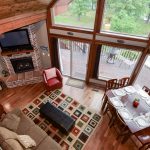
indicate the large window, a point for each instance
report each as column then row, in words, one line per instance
column 143, row 78
column 73, row 57
column 77, row 13
column 117, row 62
column 127, row 17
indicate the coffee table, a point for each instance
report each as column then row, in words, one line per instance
column 60, row 119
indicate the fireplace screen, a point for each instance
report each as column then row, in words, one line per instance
column 23, row 64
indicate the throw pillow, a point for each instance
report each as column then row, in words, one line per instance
column 50, row 73
column 13, row 144
column 10, row 121
column 26, row 141
column 7, row 134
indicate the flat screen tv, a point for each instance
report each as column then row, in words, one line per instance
column 15, row 40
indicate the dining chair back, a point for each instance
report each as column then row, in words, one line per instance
column 123, row 82
column 143, row 136
column 146, row 89
column 145, row 141
column 110, row 84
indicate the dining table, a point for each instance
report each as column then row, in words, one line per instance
column 136, row 117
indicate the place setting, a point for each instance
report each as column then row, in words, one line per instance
column 115, row 101
column 130, row 89
column 145, row 97
column 143, row 120
column 147, row 101
column 143, row 94
column 125, row 114
column 119, row 92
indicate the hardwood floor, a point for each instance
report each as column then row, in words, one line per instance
column 103, row 138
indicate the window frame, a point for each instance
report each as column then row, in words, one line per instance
column 94, row 42
column 97, row 65
column 53, row 24
column 116, row 34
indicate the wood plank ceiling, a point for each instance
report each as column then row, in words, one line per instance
column 10, row 8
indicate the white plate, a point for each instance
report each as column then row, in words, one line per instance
column 120, row 92
column 116, row 102
column 142, row 121
column 143, row 94
column 148, row 102
column 125, row 114
column 130, row 89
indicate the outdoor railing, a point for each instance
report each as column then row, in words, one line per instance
column 73, row 45
column 128, row 54
column 122, row 53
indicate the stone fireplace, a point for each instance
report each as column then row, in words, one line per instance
column 24, row 68
column 22, row 64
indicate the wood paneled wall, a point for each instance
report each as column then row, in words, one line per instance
column 9, row 8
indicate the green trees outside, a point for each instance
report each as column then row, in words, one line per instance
column 79, row 8
column 125, row 16
column 128, row 16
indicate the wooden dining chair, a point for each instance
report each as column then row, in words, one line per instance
column 145, row 141
column 143, row 136
column 146, row 89
column 110, row 84
column 123, row 82
column 124, row 133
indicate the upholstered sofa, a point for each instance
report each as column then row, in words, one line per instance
column 26, row 127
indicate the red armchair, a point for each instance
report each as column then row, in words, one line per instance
column 52, row 79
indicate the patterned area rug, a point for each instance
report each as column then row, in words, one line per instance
column 86, row 120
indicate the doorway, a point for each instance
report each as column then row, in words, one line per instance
column 73, row 58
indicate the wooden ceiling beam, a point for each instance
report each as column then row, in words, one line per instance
column 11, row 8
column 19, row 21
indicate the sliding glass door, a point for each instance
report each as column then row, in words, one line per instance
column 73, row 57
column 117, row 62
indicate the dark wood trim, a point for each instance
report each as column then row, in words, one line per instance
column 99, row 15
column 54, row 52
column 71, row 38
column 52, row 3
column 16, row 52
column 21, row 21
column 49, row 19
column 91, row 62
column 124, row 37
column 67, row 28
column 49, row 37
column 92, row 53
column 97, row 61
column 49, row 14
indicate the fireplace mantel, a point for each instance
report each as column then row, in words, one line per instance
column 19, row 21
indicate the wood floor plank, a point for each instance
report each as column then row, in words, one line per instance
column 103, row 138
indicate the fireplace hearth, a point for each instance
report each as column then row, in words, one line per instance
column 23, row 64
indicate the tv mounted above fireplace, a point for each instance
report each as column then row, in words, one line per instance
column 15, row 40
